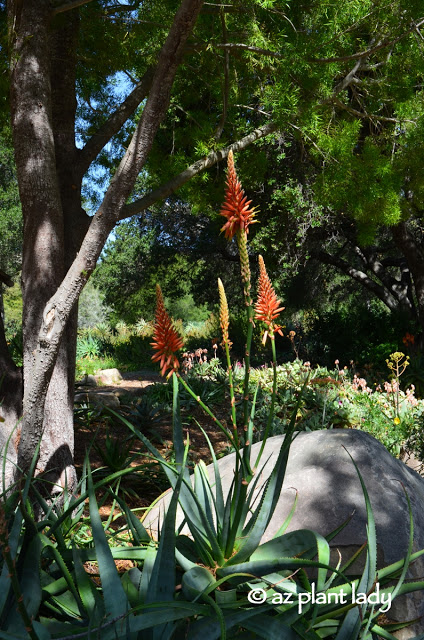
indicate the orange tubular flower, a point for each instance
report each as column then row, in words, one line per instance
column 236, row 206
column 268, row 305
column 166, row 339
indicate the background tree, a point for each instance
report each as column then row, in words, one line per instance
column 168, row 244
column 352, row 196
column 92, row 309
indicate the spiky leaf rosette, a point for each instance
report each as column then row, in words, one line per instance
column 267, row 307
column 166, row 341
column 236, row 207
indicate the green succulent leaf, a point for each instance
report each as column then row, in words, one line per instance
column 116, row 602
column 195, row 581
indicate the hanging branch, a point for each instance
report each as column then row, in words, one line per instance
column 67, row 6
column 197, row 167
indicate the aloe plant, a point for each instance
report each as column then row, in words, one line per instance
column 44, row 581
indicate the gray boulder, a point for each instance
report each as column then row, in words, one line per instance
column 329, row 491
column 86, row 381
column 99, row 398
column 90, row 381
column 108, row 377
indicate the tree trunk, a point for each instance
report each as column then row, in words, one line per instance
column 61, row 244
column 45, row 251
column 57, row 450
column 414, row 256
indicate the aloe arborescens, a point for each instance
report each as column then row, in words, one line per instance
column 166, row 340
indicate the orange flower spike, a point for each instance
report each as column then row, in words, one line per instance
column 267, row 307
column 236, row 207
column 166, row 339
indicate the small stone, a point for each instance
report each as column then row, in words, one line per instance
column 108, row 377
column 90, row 381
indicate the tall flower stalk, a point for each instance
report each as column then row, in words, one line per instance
column 236, row 208
column 240, row 215
column 166, row 342
column 224, row 319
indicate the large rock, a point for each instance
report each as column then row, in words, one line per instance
column 87, row 381
column 329, row 491
column 108, row 377
column 99, row 398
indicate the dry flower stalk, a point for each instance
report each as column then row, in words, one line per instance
column 224, row 316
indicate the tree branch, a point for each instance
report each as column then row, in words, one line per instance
column 397, row 288
column 226, row 87
column 115, row 121
column 67, row 6
column 208, row 161
column 360, row 277
column 415, row 258
column 371, row 50
column 121, row 7
column 247, row 47
column 347, row 80
column 366, row 116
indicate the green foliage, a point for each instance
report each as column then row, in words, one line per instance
column 12, row 300
column 365, row 185
column 89, row 366
column 10, row 210
column 128, row 347
column 101, row 347
column 143, row 252
column 88, row 347
column 186, row 309
column 344, row 322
